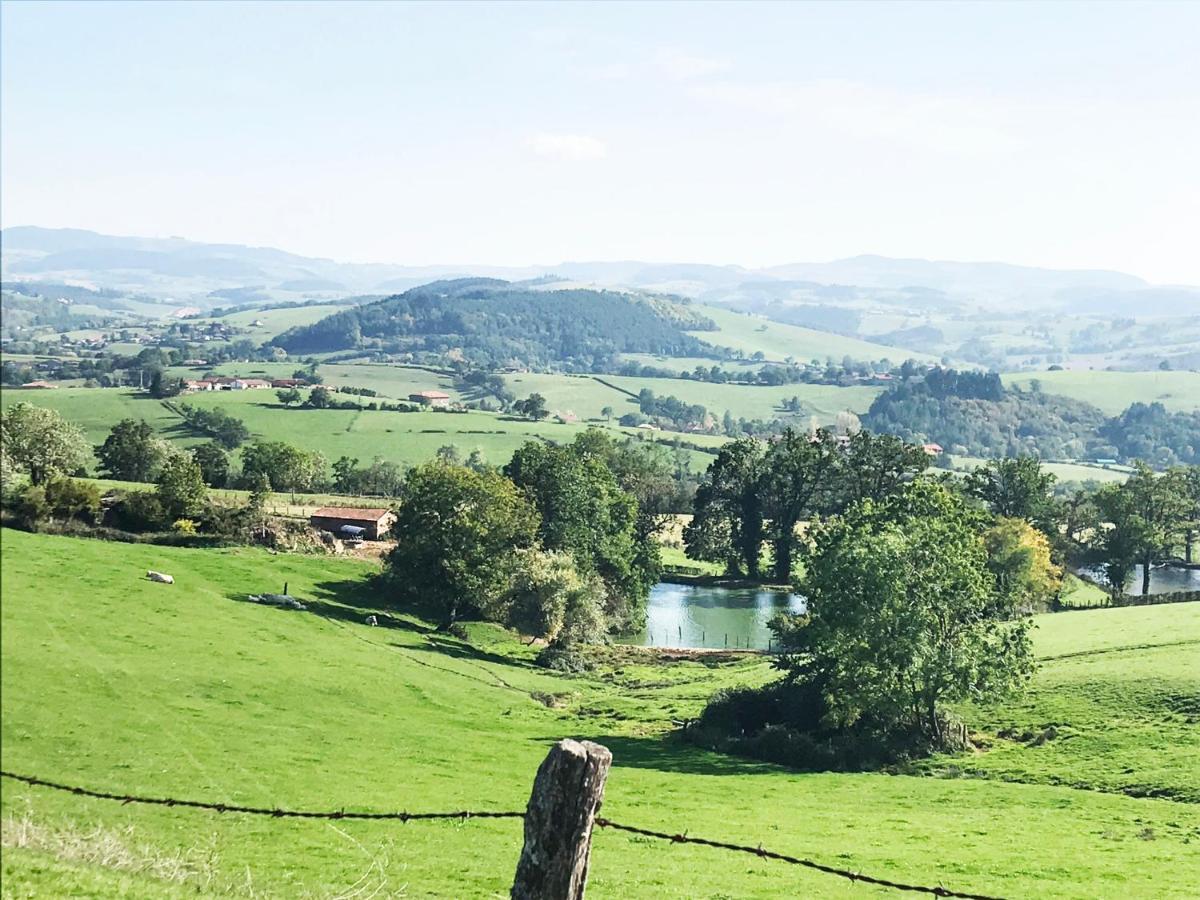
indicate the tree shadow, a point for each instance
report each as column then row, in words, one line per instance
column 464, row 651
column 672, row 753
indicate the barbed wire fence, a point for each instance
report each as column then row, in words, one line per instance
column 566, row 795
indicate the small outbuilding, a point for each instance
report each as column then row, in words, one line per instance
column 353, row 522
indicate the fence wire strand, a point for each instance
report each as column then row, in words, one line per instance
column 462, row 815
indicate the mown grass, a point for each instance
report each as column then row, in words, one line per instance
column 114, row 682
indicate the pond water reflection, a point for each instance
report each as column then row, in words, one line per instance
column 691, row 616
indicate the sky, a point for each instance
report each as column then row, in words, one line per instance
column 1064, row 135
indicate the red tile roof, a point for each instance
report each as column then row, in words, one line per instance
column 351, row 512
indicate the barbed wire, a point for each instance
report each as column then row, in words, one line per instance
column 274, row 812
column 462, row 815
column 759, row 851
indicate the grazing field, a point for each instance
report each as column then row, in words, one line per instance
column 1062, row 471
column 1113, row 392
column 396, row 437
column 117, row 683
column 587, row 395
column 272, row 322
column 393, row 382
column 749, row 334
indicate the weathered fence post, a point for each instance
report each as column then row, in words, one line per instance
column 558, row 822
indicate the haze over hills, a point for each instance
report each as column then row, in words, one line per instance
column 192, row 271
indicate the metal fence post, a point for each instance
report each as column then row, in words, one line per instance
column 567, row 793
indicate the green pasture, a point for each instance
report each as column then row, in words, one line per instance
column 1113, row 392
column 777, row 341
column 407, row 438
column 117, row 683
column 587, row 395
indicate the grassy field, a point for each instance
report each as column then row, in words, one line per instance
column 586, row 396
column 777, row 341
column 397, row 437
column 1115, row 391
column 113, row 682
column 1062, row 471
column 393, row 382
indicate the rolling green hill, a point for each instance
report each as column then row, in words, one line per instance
column 777, row 341
column 113, row 682
column 1114, row 391
column 396, row 437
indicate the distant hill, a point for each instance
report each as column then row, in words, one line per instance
column 158, row 264
column 495, row 323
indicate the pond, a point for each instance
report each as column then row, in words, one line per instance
column 1163, row 579
column 692, row 616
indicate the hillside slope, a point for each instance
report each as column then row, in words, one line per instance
column 493, row 322
column 113, row 682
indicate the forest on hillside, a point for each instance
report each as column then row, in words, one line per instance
column 493, row 323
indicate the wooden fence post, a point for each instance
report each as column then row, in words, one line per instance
column 566, row 796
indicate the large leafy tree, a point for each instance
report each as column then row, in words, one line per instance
column 904, row 615
column 800, row 476
column 1119, row 537
column 458, row 535
column 132, row 451
column 1015, row 488
column 41, row 442
column 586, row 513
column 213, row 462
column 286, row 467
column 874, row 466
column 181, row 489
column 1161, row 504
column 727, row 525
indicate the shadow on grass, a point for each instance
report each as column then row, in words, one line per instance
column 673, row 754
column 442, row 646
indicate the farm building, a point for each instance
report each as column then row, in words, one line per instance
column 435, row 399
column 350, row 521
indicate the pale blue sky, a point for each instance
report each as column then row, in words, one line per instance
column 1064, row 134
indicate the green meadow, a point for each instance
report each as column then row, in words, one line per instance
column 397, row 437
column 117, row 683
column 1113, row 392
column 776, row 341
column 587, row 395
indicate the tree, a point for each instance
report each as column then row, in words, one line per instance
column 875, row 466
column 1019, row 559
column 41, row 442
column 320, row 397
column 458, row 533
column 131, row 452
column 288, row 396
column 162, row 387
column 903, row 615
column 213, row 462
column 550, row 598
column 534, row 407
column 448, row 453
column 799, row 480
column 1118, row 540
column 1191, row 487
column 181, row 489
column 727, row 522
column 345, row 474
column 607, row 412
column 1015, row 489
column 285, row 467
column 1161, row 503
column 585, row 512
